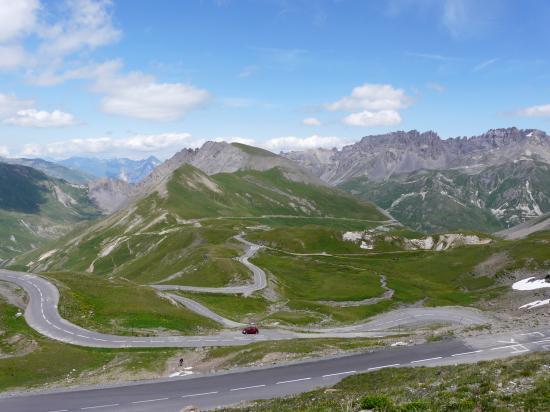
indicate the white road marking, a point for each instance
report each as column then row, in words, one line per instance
column 293, row 380
column 99, row 406
column 151, row 400
column 426, row 360
column 339, row 373
column 60, row 410
column 382, row 367
column 467, row 353
column 199, row 394
column 246, row 387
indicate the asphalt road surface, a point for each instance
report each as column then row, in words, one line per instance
column 211, row 391
column 42, row 315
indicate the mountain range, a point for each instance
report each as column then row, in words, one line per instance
column 127, row 170
column 486, row 182
column 36, row 208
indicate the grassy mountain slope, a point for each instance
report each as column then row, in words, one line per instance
column 54, row 170
column 35, row 208
column 492, row 199
column 169, row 230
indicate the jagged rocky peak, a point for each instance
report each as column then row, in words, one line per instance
column 381, row 156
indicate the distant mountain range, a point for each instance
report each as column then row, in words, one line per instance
column 486, row 182
column 127, row 170
column 35, row 208
column 52, row 169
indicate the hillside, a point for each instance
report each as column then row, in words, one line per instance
column 494, row 198
column 35, row 208
column 52, row 169
column 176, row 215
column 539, row 224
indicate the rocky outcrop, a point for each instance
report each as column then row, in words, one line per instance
column 381, row 156
column 109, row 195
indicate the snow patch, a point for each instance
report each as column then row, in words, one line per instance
column 535, row 304
column 531, row 283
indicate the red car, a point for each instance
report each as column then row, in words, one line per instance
column 251, row 330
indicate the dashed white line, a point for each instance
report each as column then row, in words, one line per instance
column 199, row 394
column 338, row 373
column 246, row 387
column 426, row 360
column 99, row 406
column 151, row 400
column 467, row 353
column 293, row 380
column 60, row 410
column 383, row 366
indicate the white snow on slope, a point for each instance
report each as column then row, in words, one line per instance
column 535, row 304
column 531, row 283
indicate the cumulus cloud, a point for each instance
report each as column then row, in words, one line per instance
column 372, row 97
column 107, row 145
column 288, row 143
column 311, row 121
column 140, row 96
column 542, row 110
column 41, row 118
column 17, row 18
column 373, row 119
column 87, row 25
column 236, row 139
column 378, row 105
column 70, row 27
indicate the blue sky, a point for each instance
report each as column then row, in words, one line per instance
column 137, row 77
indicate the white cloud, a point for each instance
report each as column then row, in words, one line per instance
column 542, row 110
column 17, row 18
column 378, row 104
column 288, row 143
column 436, row 87
column 236, row 139
column 140, row 96
column 110, row 146
column 41, row 118
column 134, row 94
column 373, row 119
column 87, row 25
column 311, row 121
column 4, row 151
column 372, row 97
column 11, row 104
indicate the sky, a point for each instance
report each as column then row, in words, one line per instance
column 138, row 77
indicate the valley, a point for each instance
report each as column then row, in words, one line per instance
column 190, row 258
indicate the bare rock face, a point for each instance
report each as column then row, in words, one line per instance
column 222, row 157
column 109, row 195
column 211, row 158
column 381, row 156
